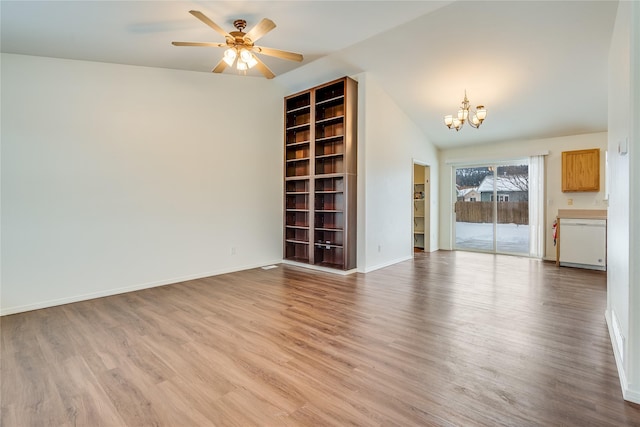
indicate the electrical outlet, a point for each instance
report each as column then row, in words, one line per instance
column 569, row 202
column 234, row 250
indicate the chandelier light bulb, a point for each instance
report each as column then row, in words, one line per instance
column 448, row 120
column 481, row 112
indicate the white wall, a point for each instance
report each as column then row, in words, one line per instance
column 623, row 254
column 633, row 393
column 117, row 178
column 388, row 144
column 554, row 196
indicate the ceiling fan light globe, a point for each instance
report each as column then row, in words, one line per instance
column 248, row 58
column 251, row 62
column 241, row 66
column 245, row 55
column 229, row 56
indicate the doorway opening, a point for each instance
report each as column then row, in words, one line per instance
column 421, row 214
column 492, row 208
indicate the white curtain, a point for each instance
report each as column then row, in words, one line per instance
column 536, row 206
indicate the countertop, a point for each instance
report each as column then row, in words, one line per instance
column 582, row 213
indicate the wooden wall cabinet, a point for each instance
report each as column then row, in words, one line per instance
column 320, row 175
column 581, row 170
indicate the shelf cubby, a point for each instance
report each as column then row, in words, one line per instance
column 298, row 135
column 297, row 251
column 330, row 92
column 298, row 168
column 297, row 201
column 298, row 152
column 329, row 109
column 330, row 128
column 326, row 185
column 329, row 256
column 327, row 146
column 296, row 219
column 329, row 202
column 328, row 237
column 299, row 102
column 329, row 220
column 298, row 118
column 329, row 165
column 297, row 186
column 297, row 234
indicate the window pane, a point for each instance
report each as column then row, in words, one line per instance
column 512, row 188
column 474, row 210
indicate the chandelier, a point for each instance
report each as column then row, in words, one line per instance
column 463, row 116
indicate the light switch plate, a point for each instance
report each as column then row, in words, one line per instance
column 623, row 146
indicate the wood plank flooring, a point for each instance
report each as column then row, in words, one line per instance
column 448, row 339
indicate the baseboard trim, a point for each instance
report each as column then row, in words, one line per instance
column 110, row 292
column 627, row 393
column 385, row 264
column 319, row 268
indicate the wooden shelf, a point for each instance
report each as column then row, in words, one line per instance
column 300, row 126
column 337, row 98
column 321, row 170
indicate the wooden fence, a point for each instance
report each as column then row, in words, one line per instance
column 508, row 212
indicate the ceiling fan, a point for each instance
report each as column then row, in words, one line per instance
column 240, row 45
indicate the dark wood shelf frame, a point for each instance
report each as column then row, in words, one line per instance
column 320, row 175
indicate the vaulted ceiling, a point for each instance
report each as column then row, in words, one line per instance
column 540, row 67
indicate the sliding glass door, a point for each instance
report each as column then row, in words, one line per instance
column 492, row 208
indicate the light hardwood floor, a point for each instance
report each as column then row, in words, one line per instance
column 449, row 339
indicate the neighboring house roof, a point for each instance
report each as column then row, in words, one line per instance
column 503, row 183
column 463, row 192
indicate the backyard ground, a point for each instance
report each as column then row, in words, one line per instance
column 510, row 238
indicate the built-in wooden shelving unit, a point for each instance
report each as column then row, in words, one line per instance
column 320, row 175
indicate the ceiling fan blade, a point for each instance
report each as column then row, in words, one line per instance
column 264, row 69
column 291, row 56
column 210, row 23
column 206, row 44
column 260, row 30
column 220, row 67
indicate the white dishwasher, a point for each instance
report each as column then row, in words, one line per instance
column 583, row 243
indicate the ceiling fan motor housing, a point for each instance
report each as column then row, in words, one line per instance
column 240, row 24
